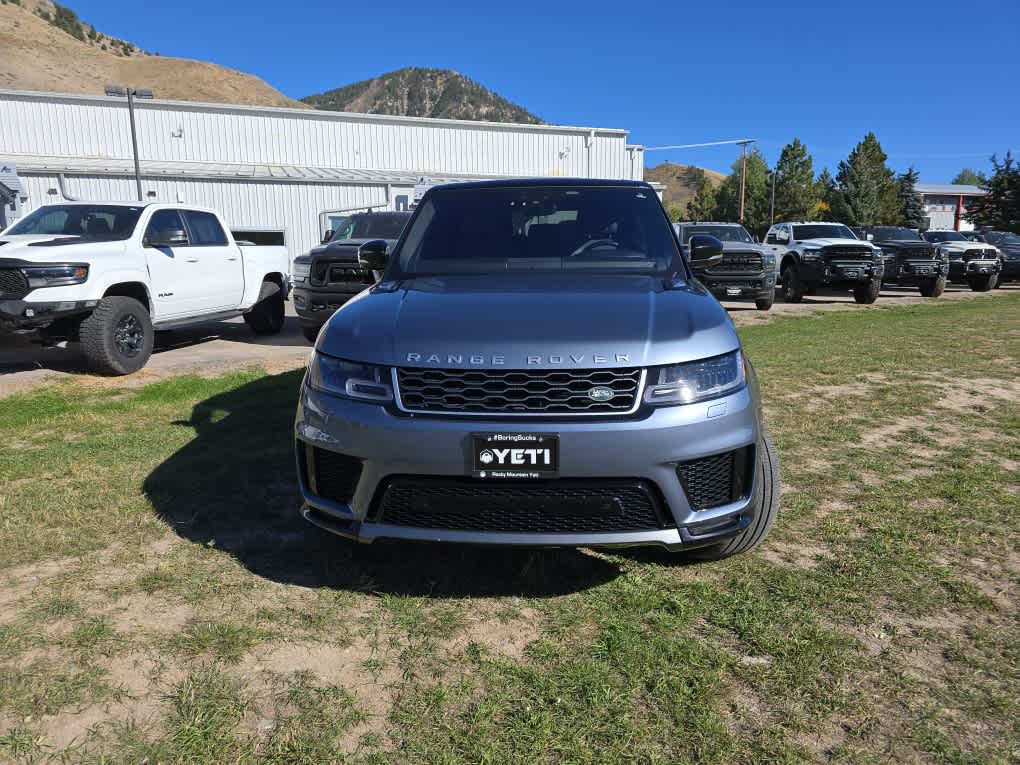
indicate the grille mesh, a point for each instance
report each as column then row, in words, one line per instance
column 717, row 480
column 737, row 262
column 558, row 506
column 848, row 252
column 13, row 284
column 331, row 475
column 548, row 392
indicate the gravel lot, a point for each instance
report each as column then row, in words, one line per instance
column 210, row 349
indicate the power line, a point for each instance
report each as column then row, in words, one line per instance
column 701, row 145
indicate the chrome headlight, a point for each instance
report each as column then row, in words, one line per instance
column 697, row 380
column 365, row 382
column 811, row 254
column 768, row 259
column 877, row 255
column 55, row 275
column 301, row 271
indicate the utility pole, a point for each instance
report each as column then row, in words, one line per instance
column 772, row 199
column 132, row 94
column 743, row 173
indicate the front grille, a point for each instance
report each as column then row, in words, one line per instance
column 330, row 475
column 532, row 391
column 738, row 262
column 917, row 253
column 13, row 284
column 848, row 252
column 717, row 480
column 555, row 506
column 978, row 254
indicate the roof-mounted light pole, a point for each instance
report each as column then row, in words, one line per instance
column 132, row 94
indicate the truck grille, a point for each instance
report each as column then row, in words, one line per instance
column 848, row 252
column 917, row 253
column 13, row 284
column 557, row 506
column 717, row 480
column 738, row 263
column 527, row 391
column 326, row 272
column 978, row 254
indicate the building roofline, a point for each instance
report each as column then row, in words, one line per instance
column 291, row 112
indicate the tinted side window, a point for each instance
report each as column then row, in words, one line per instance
column 206, row 231
column 164, row 220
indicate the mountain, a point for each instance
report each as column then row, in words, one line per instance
column 681, row 181
column 45, row 46
column 419, row 92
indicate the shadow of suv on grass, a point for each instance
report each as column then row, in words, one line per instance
column 233, row 487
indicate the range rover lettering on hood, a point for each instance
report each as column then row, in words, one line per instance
column 499, row 359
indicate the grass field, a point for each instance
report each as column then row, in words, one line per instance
column 161, row 599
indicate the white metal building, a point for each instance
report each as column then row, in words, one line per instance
column 277, row 169
column 945, row 204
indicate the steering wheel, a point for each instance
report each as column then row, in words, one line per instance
column 588, row 246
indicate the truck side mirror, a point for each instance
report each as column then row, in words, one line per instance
column 374, row 255
column 327, row 236
column 171, row 237
column 706, row 251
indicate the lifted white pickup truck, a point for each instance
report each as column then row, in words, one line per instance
column 108, row 275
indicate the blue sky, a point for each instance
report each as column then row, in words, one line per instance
column 937, row 81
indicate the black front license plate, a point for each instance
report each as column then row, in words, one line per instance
column 515, row 455
column 850, row 274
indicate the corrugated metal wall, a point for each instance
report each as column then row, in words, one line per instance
column 82, row 126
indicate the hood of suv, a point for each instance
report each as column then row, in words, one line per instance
column 558, row 321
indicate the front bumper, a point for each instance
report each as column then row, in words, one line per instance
column 21, row 315
column 914, row 272
column 392, row 446
column 844, row 274
column 315, row 306
column 739, row 285
column 961, row 270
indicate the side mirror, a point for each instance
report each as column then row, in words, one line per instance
column 171, row 237
column 374, row 255
column 327, row 236
column 706, row 251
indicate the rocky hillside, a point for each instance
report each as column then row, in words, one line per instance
column 418, row 92
column 681, row 181
column 45, row 46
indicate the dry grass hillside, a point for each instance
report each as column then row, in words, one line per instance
column 681, row 181
column 37, row 53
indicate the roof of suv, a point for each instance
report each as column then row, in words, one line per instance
column 518, row 183
column 709, row 223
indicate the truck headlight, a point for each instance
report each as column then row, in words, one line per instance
column 697, row 380
column 768, row 260
column 811, row 254
column 365, row 382
column 301, row 271
column 56, row 275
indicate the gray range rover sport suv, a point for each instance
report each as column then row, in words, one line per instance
column 538, row 367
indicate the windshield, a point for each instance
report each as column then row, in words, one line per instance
column 586, row 228
column 723, row 233
column 894, row 234
column 822, row 231
column 371, row 227
column 87, row 221
column 945, row 236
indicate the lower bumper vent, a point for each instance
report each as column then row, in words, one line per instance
column 330, row 475
column 716, row 480
column 553, row 507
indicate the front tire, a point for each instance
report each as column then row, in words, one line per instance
column 117, row 337
column 765, row 303
column 266, row 316
column 793, row 290
column 866, row 294
column 933, row 287
column 765, row 501
column 981, row 283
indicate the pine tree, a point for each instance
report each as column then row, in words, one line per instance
column 870, row 194
column 796, row 193
column 830, row 201
column 756, row 194
column 968, row 177
column 702, row 207
column 1000, row 207
column 911, row 209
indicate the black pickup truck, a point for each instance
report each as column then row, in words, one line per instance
column 331, row 274
column 910, row 261
column 747, row 270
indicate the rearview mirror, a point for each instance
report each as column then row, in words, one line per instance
column 374, row 255
column 171, row 237
column 706, row 251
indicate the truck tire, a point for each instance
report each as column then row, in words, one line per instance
column 311, row 333
column 765, row 303
column 266, row 316
column 933, row 287
column 981, row 283
column 765, row 501
column 867, row 293
column 117, row 337
column 793, row 290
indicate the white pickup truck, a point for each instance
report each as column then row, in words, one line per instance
column 109, row 275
